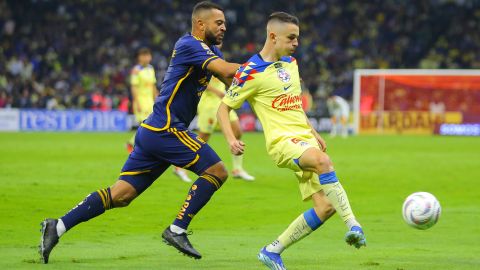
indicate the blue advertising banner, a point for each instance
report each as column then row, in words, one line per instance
column 459, row 129
column 73, row 120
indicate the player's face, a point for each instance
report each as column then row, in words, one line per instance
column 287, row 39
column 145, row 59
column 215, row 27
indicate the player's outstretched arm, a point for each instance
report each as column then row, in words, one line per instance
column 223, row 70
column 236, row 146
column 215, row 91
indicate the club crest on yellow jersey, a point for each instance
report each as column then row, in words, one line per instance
column 283, row 75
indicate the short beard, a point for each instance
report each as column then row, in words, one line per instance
column 210, row 38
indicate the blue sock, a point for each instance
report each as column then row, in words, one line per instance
column 313, row 221
column 198, row 196
column 94, row 204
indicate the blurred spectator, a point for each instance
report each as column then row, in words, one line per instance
column 76, row 54
column 3, row 99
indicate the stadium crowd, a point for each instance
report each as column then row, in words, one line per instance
column 78, row 54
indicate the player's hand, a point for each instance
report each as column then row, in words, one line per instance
column 321, row 142
column 237, row 147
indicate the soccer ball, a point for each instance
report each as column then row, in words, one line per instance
column 421, row 210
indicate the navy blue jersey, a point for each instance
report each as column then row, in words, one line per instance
column 185, row 80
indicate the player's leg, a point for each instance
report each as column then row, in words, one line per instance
column 333, row 131
column 207, row 120
column 343, row 126
column 130, row 143
column 206, row 123
column 138, row 173
column 95, row 204
column 182, row 173
column 199, row 157
column 314, row 160
column 140, row 115
column 302, row 226
column 237, row 160
column 344, row 121
column 199, row 194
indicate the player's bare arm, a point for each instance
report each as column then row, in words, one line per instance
column 237, row 147
column 215, row 91
column 223, row 70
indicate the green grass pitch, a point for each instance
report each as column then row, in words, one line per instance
column 45, row 174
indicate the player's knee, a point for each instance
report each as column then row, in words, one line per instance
column 219, row 171
column 122, row 201
column 325, row 210
column 222, row 174
column 323, row 163
column 329, row 210
column 122, row 193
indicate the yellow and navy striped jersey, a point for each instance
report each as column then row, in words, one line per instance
column 273, row 91
column 184, row 82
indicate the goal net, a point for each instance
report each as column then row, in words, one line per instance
column 414, row 101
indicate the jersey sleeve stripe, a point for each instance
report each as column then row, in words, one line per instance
column 208, row 61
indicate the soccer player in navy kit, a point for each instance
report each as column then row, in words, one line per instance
column 163, row 139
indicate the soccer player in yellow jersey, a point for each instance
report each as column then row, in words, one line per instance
column 144, row 90
column 270, row 82
column 207, row 121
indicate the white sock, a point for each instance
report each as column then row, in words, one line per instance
column 352, row 222
column 338, row 198
column 176, row 229
column 275, row 247
column 237, row 162
column 60, row 227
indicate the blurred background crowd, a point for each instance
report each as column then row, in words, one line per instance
column 78, row 54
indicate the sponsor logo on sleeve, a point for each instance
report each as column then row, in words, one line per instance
column 232, row 94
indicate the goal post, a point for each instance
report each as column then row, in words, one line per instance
column 414, row 101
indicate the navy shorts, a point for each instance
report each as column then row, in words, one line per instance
column 155, row 151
